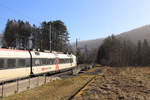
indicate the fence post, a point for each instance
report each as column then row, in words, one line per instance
column 17, row 86
column 45, row 78
column 2, row 90
column 29, row 84
column 37, row 80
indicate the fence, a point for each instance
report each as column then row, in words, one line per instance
column 7, row 89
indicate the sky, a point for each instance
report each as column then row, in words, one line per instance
column 85, row 19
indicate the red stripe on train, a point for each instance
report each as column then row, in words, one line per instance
column 2, row 49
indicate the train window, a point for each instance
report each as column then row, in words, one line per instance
column 2, row 63
column 11, row 63
column 33, row 61
column 36, row 62
column 61, row 61
column 71, row 60
column 27, row 62
column 53, row 61
column 43, row 60
column 66, row 60
column 21, row 63
column 50, row 61
column 47, row 61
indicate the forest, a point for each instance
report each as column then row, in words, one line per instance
column 116, row 52
column 22, row 35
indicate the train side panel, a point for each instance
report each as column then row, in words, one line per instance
column 11, row 58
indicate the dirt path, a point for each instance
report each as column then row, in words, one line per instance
column 119, row 84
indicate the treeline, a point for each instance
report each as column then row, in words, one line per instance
column 116, row 52
column 86, row 56
column 23, row 35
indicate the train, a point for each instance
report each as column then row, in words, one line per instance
column 16, row 64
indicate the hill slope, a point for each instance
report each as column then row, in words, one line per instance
column 134, row 36
column 90, row 44
column 137, row 34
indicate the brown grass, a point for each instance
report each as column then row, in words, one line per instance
column 126, row 83
column 57, row 90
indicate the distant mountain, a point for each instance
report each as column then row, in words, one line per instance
column 134, row 36
column 90, row 44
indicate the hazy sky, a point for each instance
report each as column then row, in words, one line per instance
column 85, row 19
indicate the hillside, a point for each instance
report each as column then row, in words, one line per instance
column 90, row 44
column 134, row 36
column 137, row 34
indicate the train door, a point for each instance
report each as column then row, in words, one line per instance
column 36, row 62
column 56, row 62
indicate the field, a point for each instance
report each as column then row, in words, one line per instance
column 126, row 83
column 61, row 89
column 131, row 83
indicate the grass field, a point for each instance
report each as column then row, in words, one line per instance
column 56, row 90
column 126, row 83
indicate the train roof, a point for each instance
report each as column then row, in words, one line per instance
column 35, row 54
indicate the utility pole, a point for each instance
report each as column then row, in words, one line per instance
column 41, row 39
column 76, row 45
column 50, row 37
column 77, row 50
column 86, row 53
column 61, row 40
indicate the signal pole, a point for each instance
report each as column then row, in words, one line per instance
column 77, row 50
column 76, row 45
column 50, row 37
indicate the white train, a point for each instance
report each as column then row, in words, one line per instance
column 20, row 63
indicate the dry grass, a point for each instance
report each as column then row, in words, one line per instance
column 127, row 83
column 57, row 90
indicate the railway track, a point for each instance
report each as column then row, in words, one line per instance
column 85, row 86
column 79, row 92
